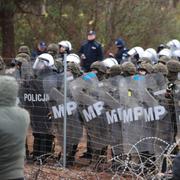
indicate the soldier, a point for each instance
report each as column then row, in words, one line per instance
column 163, row 60
column 53, row 49
column 145, row 68
column 115, row 70
column 173, row 70
column 161, row 68
column 99, row 69
column 24, row 49
column 128, row 69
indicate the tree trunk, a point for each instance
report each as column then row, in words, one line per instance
column 7, row 33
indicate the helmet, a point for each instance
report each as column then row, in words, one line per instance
column 136, row 51
column 22, row 57
column 52, row 48
column 173, row 44
column 99, row 66
column 74, row 68
column 163, row 59
column 147, row 67
column 115, row 70
column 73, row 58
column 173, row 66
column 119, row 42
column 165, row 52
column 69, row 45
column 129, row 67
column 176, row 54
column 43, row 60
column 160, row 47
column 161, row 68
column 151, row 54
column 65, row 44
column 144, row 60
column 24, row 49
column 109, row 62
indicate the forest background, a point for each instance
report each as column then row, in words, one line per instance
column 145, row 23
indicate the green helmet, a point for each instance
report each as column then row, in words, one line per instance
column 22, row 57
column 74, row 68
column 163, row 59
column 160, row 68
column 173, row 66
column 115, row 70
column 128, row 68
column 52, row 48
column 24, row 49
column 99, row 66
column 144, row 60
column 147, row 67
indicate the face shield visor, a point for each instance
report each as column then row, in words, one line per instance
column 40, row 64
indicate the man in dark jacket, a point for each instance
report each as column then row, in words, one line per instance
column 90, row 51
column 121, row 54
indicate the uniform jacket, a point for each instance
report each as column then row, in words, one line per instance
column 92, row 52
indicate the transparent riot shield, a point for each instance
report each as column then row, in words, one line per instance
column 177, row 110
column 140, row 113
column 110, row 86
column 93, row 103
column 74, row 125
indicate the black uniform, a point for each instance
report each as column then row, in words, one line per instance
column 90, row 52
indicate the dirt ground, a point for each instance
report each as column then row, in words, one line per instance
column 81, row 170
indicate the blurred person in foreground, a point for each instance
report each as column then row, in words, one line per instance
column 13, row 124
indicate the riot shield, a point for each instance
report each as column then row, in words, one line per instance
column 93, row 103
column 110, row 86
column 140, row 112
column 177, row 110
column 74, row 126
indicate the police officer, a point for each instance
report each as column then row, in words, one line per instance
column 122, row 51
column 34, row 97
column 40, row 49
column 90, row 51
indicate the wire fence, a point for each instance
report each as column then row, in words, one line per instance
column 125, row 127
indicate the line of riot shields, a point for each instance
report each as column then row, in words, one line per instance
column 118, row 110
